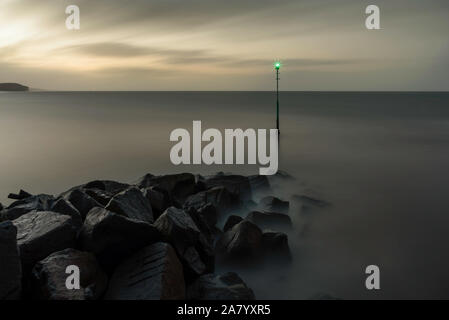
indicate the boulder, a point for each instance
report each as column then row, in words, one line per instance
column 112, row 237
column 109, row 186
column 101, row 196
column 133, row 204
column 178, row 186
column 40, row 233
column 237, row 185
column 20, row 196
column 81, row 201
column 41, row 202
column 159, row 200
column 242, row 242
column 231, row 222
column 228, row 286
column 180, row 230
column 273, row 204
column 10, row 266
column 270, row 220
column 259, row 184
column 145, row 181
column 153, row 273
column 49, row 277
column 275, row 246
column 219, row 197
column 62, row 206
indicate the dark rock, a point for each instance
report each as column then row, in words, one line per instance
column 133, row 204
column 49, row 276
column 228, row 286
column 178, row 186
column 267, row 220
column 259, row 184
column 242, row 242
column 62, row 206
column 238, row 186
column 219, row 197
column 41, row 202
column 145, row 181
column 231, row 222
column 40, row 233
column 1, row 206
column 111, row 187
column 112, row 237
column 101, row 196
column 81, row 201
column 275, row 245
column 154, row 273
column 159, row 200
column 20, row 196
column 181, row 231
column 273, row 204
column 10, row 266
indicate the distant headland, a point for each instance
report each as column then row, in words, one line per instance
column 13, row 87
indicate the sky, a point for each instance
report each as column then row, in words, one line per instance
column 225, row 45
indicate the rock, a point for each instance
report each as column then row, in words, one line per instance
column 145, row 181
column 20, row 196
column 131, row 203
column 273, row 204
column 242, row 242
column 112, row 237
column 309, row 202
column 153, row 273
column 49, row 276
column 275, row 245
column 81, row 201
column 101, row 196
column 41, row 202
column 40, row 233
column 228, row 286
column 1, row 206
column 259, row 184
column 231, row 222
column 238, row 186
column 181, row 231
column 62, row 206
column 219, row 197
column 111, row 187
column 10, row 266
column 268, row 220
column 159, row 200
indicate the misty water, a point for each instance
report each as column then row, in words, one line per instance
column 380, row 159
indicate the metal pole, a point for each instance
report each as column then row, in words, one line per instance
column 277, row 99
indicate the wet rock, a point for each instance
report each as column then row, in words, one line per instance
column 62, row 206
column 133, row 204
column 40, row 233
column 101, row 196
column 41, row 202
column 231, row 222
column 193, row 249
column 159, row 200
column 20, row 196
column 81, row 201
column 242, row 242
column 228, row 286
column 109, row 186
column 237, row 185
column 259, row 184
column 49, row 276
column 153, row 273
column 178, row 186
column 273, row 204
column 113, row 236
column 275, row 246
column 10, row 266
column 219, row 197
column 267, row 220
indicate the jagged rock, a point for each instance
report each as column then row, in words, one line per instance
column 49, row 276
column 219, row 197
column 178, row 186
column 242, row 242
column 131, row 203
column 81, row 201
column 64, row 207
column 238, row 186
column 145, row 181
column 273, row 204
column 308, row 202
column 1, row 206
column 267, row 220
column 10, row 266
column 40, row 233
column 181, row 231
column 111, row 187
column 41, row 202
column 228, row 286
column 259, row 184
column 154, row 273
column 231, row 222
column 20, row 196
column 101, row 196
column 159, row 200
column 275, row 245
column 112, row 236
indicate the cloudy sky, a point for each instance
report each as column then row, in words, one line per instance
column 225, row 45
